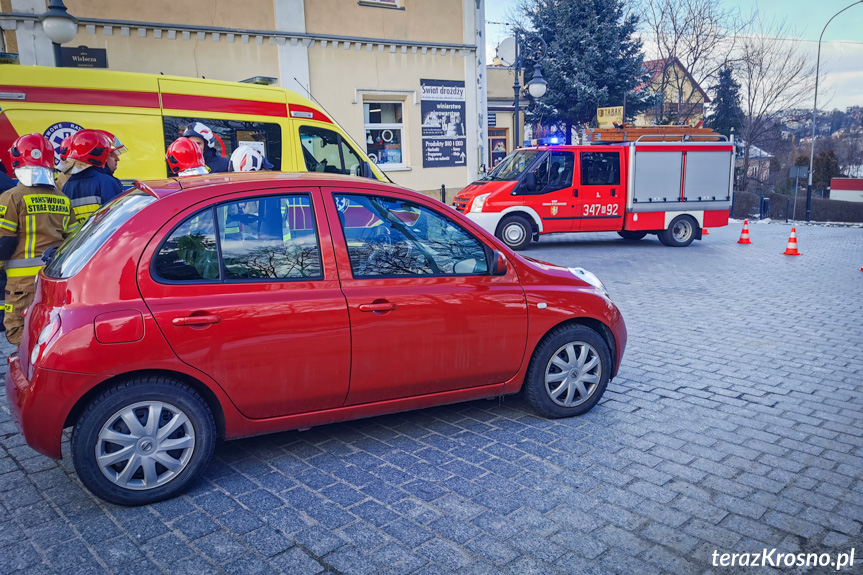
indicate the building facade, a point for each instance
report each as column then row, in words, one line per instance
column 405, row 78
column 678, row 98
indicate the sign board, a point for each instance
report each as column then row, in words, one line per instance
column 608, row 116
column 443, row 128
column 84, row 57
column 798, row 172
column 492, row 120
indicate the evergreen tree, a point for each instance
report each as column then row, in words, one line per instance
column 593, row 59
column 726, row 113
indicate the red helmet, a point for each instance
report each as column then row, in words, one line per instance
column 65, row 147
column 184, row 154
column 91, row 147
column 32, row 150
column 117, row 146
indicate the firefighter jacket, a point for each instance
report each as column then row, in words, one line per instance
column 215, row 162
column 6, row 183
column 40, row 217
column 89, row 190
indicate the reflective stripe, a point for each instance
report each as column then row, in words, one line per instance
column 7, row 225
column 30, row 242
column 22, row 272
column 83, row 213
column 8, row 308
column 86, row 200
column 23, row 263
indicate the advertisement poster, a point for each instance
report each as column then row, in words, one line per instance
column 443, row 128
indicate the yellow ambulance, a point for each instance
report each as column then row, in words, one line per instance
column 147, row 112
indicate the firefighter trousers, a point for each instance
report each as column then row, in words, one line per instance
column 19, row 294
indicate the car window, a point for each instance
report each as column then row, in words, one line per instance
column 392, row 237
column 326, row 151
column 269, row 238
column 190, row 253
column 600, row 168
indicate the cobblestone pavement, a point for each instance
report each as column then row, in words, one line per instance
column 736, row 424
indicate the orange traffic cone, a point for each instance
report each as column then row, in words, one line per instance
column 704, row 232
column 791, row 250
column 744, row 235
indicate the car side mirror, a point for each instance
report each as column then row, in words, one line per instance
column 499, row 263
column 530, row 180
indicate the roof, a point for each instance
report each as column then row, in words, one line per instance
column 853, row 184
column 259, row 180
column 657, row 67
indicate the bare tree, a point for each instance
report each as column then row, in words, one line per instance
column 775, row 74
column 699, row 34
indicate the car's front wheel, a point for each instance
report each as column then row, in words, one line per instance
column 568, row 372
column 143, row 441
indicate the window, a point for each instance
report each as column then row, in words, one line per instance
column 600, row 169
column 190, row 253
column 497, row 141
column 264, row 137
column 264, row 238
column 384, row 133
column 391, row 237
column 80, row 248
column 326, row 151
column 555, row 172
column 269, row 238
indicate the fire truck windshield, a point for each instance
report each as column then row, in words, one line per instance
column 512, row 166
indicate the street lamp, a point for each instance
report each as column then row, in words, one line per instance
column 537, row 86
column 59, row 26
column 815, row 114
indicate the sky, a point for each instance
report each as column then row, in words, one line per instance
column 841, row 76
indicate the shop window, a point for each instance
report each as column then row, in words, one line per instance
column 263, row 136
column 384, row 123
column 497, row 142
column 326, row 151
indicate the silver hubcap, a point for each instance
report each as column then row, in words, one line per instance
column 682, row 230
column 513, row 234
column 145, row 445
column 573, row 374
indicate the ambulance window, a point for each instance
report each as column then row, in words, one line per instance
column 600, row 168
column 326, row 151
column 263, row 136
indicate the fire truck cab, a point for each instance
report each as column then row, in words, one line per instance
column 671, row 189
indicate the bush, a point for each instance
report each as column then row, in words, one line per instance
column 747, row 204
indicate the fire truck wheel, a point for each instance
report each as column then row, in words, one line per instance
column 515, row 231
column 568, row 372
column 680, row 232
column 632, row 236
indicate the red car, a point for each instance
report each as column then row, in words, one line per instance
column 235, row 305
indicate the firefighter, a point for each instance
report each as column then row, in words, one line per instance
column 34, row 216
column 114, row 158
column 6, row 183
column 185, row 158
column 62, row 175
column 205, row 139
column 89, row 187
column 247, row 159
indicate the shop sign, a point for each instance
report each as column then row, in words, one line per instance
column 443, row 127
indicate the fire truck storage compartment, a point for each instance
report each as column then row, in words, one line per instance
column 657, row 176
column 707, row 176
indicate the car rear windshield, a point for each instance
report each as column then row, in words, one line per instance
column 78, row 249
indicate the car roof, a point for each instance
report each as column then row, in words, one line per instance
column 254, row 180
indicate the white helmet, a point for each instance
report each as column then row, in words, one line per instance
column 248, row 159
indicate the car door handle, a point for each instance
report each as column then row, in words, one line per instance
column 196, row 320
column 386, row 306
column 575, row 193
column 613, row 192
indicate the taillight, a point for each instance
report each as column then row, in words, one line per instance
column 45, row 337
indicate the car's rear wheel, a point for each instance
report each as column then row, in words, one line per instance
column 631, row 236
column 568, row 372
column 143, row 441
column 680, row 232
column 515, row 231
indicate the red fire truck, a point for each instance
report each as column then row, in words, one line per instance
column 672, row 189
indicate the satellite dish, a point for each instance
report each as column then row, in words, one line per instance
column 506, row 52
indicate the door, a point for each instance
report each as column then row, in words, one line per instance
column 426, row 315
column 246, row 291
column 601, row 193
column 554, row 198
